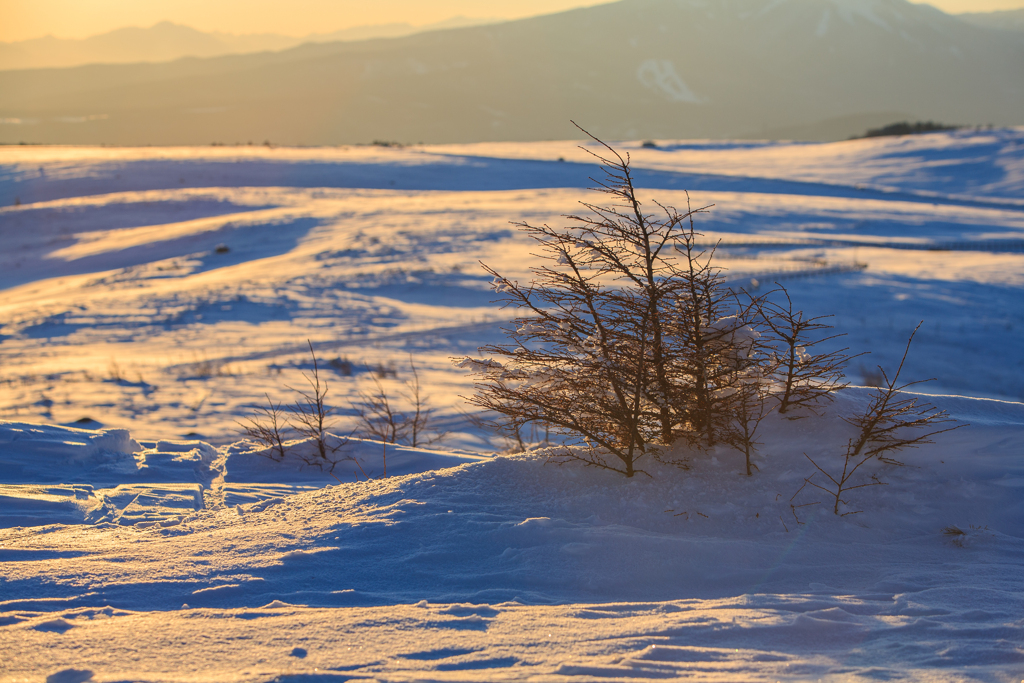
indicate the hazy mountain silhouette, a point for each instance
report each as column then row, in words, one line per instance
column 1007, row 20
column 630, row 69
column 167, row 41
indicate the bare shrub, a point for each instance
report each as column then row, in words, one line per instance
column 343, row 366
column 312, row 418
column 750, row 408
column 267, row 428
column 579, row 360
column 418, row 420
column 115, row 373
column 203, row 367
column 957, row 536
column 890, row 424
column 961, row 538
column 385, row 370
column 807, row 377
column 517, row 440
column 630, row 337
column 379, row 418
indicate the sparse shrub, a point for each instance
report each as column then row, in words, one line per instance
column 309, row 417
column 888, row 425
column 807, row 377
column 961, row 538
column 957, row 536
column 267, row 428
column 377, row 418
column 750, row 408
column 380, row 419
column 385, row 370
column 312, row 418
column 202, row 367
column 344, row 366
column 419, row 419
column 115, row 373
column 631, row 338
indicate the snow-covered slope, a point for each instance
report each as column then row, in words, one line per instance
column 119, row 307
column 693, row 562
column 154, row 297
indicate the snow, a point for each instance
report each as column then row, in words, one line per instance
column 141, row 538
column 660, row 76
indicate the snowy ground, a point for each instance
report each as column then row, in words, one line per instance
column 153, row 296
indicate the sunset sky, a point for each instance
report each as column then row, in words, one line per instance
column 24, row 19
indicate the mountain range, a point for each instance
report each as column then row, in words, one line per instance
column 1006, row 20
column 167, row 41
column 799, row 69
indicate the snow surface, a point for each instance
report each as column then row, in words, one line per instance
column 141, row 539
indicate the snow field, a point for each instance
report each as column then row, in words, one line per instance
column 153, row 296
column 775, row 587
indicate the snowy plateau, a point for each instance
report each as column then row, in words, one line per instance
column 155, row 297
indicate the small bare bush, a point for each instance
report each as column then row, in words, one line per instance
column 267, row 428
column 312, row 417
column 750, row 408
column 379, row 418
column 890, row 423
column 516, row 439
column 629, row 337
column 807, row 377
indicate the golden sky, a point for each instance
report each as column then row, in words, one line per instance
column 23, row 19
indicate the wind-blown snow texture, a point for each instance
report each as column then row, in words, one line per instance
column 140, row 543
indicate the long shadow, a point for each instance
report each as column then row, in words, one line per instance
column 244, row 242
column 426, row 172
column 77, row 219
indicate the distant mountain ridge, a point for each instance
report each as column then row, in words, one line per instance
column 167, row 41
column 1007, row 20
column 800, row 69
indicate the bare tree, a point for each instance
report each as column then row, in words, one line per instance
column 807, row 377
column 516, row 441
column 380, row 419
column 891, row 423
column 715, row 344
column 377, row 418
column 418, row 421
column 628, row 333
column 267, row 428
column 312, row 417
column 750, row 407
